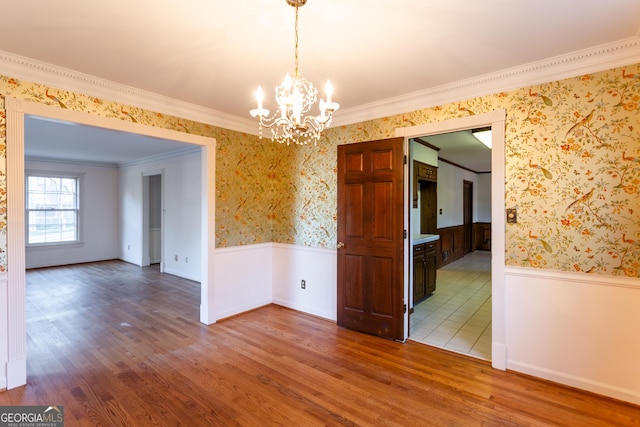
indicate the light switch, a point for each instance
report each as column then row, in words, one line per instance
column 512, row 216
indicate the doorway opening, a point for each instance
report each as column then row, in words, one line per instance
column 489, row 280
column 456, row 312
column 16, row 111
column 152, row 219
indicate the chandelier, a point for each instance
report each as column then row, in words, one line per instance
column 295, row 97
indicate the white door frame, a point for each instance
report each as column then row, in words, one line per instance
column 16, row 109
column 496, row 120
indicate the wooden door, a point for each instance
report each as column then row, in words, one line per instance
column 467, row 206
column 370, row 235
column 428, row 207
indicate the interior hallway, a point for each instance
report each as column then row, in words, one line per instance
column 457, row 316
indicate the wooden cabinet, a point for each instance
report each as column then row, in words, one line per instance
column 424, row 270
column 422, row 172
column 430, row 261
column 426, row 172
column 419, row 273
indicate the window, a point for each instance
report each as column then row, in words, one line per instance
column 52, row 209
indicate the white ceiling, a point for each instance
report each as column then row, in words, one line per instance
column 47, row 139
column 214, row 54
column 462, row 149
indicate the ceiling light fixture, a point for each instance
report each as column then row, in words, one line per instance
column 295, row 97
column 483, row 135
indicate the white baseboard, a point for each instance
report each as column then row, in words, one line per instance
column 239, row 309
column 181, row 274
column 609, row 390
column 69, row 261
column 306, row 309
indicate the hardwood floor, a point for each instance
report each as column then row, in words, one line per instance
column 118, row 345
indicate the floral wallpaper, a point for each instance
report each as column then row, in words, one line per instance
column 572, row 171
column 242, row 190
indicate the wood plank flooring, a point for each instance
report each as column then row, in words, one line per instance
column 118, row 345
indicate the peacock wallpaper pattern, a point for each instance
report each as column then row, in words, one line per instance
column 572, row 171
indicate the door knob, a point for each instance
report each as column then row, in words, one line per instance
column 340, row 245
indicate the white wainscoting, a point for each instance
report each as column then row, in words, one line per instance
column 4, row 331
column 248, row 277
column 242, row 279
column 576, row 329
column 318, row 267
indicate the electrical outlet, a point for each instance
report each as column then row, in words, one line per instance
column 303, row 284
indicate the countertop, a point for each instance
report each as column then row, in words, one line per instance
column 424, row 238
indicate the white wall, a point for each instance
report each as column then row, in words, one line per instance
column 423, row 154
column 318, row 267
column 450, row 184
column 242, row 279
column 247, row 277
column 450, row 191
column 182, row 210
column 482, row 198
column 98, row 217
column 576, row 329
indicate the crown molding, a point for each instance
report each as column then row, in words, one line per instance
column 118, row 165
column 89, row 163
column 159, row 157
column 599, row 58
column 591, row 60
column 24, row 68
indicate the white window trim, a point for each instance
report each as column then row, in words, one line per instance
column 79, row 220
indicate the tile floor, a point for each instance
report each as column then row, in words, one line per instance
column 457, row 316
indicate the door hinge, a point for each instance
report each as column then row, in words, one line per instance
column 404, row 308
column 404, row 234
column 405, row 159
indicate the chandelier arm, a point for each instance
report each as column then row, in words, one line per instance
column 316, row 127
column 275, row 120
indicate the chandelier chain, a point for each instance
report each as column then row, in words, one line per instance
column 296, row 47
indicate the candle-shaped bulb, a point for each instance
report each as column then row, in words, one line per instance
column 259, row 97
column 329, row 90
column 287, row 82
